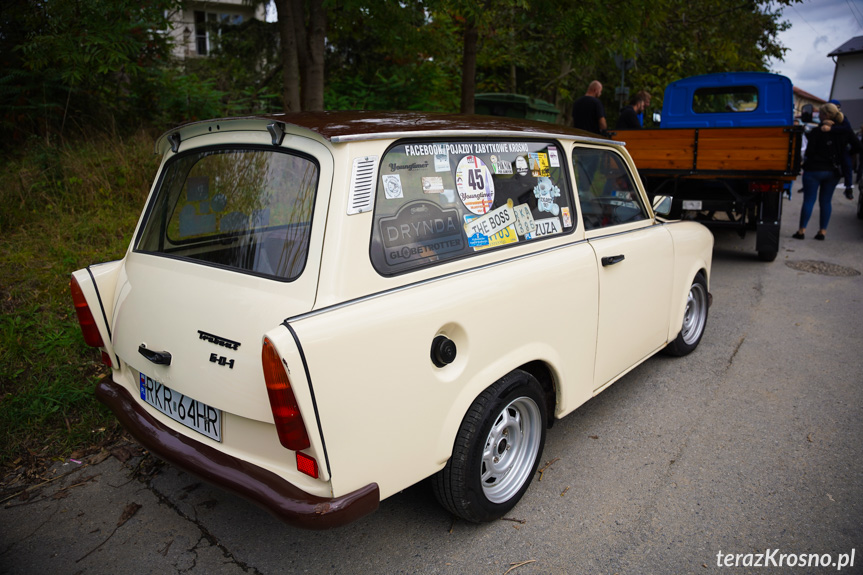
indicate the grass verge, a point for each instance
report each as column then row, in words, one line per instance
column 64, row 207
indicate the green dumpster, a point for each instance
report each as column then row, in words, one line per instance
column 515, row 106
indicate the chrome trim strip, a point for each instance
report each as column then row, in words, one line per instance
column 401, row 135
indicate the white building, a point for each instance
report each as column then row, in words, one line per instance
column 191, row 25
column 848, row 79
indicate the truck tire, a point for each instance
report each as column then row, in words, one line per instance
column 767, row 255
column 694, row 319
column 496, row 451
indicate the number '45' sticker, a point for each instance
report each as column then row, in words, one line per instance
column 474, row 184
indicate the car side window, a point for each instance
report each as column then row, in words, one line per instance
column 442, row 200
column 606, row 191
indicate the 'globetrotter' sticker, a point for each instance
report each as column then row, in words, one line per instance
column 474, row 184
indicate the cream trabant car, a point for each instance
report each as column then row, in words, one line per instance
column 319, row 310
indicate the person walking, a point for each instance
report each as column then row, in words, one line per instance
column 588, row 112
column 822, row 167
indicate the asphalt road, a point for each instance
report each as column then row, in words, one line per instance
column 750, row 446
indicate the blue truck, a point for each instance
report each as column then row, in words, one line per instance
column 726, row 149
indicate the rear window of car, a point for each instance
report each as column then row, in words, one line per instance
column 441, row 200
column 248, row 210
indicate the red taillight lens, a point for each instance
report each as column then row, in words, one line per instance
column 765, row 187
column 286, row 411
column 92, row 337
column 307, row 464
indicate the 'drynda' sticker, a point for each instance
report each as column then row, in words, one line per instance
column 474, row 184
column 545, row 192
column 393, row 186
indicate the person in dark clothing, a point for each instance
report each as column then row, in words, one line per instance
column 822, row 167
column 588, row 113
column 628, row 119
column 847, row 163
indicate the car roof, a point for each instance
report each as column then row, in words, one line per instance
column 344, row 126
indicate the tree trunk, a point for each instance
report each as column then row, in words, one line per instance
column 313, row 78
column 468, row 66
column 290, row 59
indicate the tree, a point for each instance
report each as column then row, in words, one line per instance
column 303, row 30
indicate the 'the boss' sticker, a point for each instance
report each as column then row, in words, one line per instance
column 474, row 184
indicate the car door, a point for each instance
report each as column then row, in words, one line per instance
column 635, row 261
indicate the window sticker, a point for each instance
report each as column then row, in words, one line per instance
column 500, row 166
column 546, row 192
column 553, row 159
column 524, row 223
column 432, row 185
column 567, row 219
column 492, row 222
column 521, row 166
column 393, row 186
column 474, row 184
column 546, row 227
column 539, row 165
column 420, row 230
column 441, row 159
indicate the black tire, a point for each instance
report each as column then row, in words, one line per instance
column 496, row 452
column 694, row 319
column 767, row 255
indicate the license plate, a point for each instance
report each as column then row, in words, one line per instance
column 691, row 204
column 190, row 412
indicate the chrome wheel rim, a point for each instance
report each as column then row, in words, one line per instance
column 695, row 314
column 510, row 450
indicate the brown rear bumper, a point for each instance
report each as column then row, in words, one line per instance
column 262, row 487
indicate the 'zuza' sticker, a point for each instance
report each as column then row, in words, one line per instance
column 393, row 186
column 474, row 184
column 545, row 192
column 546, row 227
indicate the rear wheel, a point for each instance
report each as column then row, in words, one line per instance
column 496, row 451
column 694, row 319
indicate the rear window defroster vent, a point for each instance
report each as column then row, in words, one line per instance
column 364, row 175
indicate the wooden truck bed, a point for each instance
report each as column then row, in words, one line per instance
column 772, row 152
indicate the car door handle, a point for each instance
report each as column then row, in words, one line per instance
column 157, row 357
column 611, row 260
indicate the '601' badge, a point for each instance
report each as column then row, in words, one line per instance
column 221, row 360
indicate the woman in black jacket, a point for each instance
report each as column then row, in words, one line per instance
column 822, row 167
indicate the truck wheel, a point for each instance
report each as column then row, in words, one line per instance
column 496, row 451
column 694, row 319
column 767, row 255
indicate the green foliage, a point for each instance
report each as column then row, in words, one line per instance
column 67, row 207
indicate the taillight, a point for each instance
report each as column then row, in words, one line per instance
column 764, row 187
column 286, row 411
column 92, row 337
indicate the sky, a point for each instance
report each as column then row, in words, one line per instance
column 817, row 28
